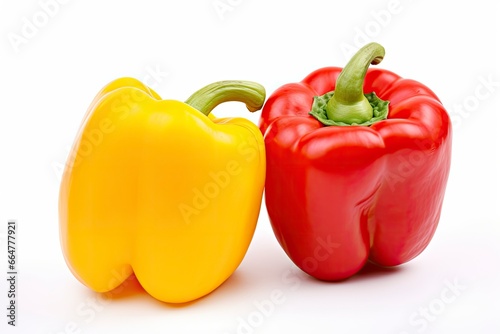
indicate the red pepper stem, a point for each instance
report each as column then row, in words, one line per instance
column 348, row 104
column 210, row 96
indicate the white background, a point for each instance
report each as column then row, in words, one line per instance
column 47, row 82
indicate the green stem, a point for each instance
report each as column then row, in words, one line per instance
column 348, row 104
column 210, row 96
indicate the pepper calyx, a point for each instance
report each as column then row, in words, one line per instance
column 319, row 110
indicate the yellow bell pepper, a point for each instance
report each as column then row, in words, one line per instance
column 156, row 188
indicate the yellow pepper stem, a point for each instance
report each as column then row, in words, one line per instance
column 210, row 96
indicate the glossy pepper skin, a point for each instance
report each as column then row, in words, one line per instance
column 339, row 196
column 156, row 188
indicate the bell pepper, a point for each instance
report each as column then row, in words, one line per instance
column 158, row 189
column 357, row 166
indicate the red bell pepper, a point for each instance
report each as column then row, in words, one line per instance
column 353, row 176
